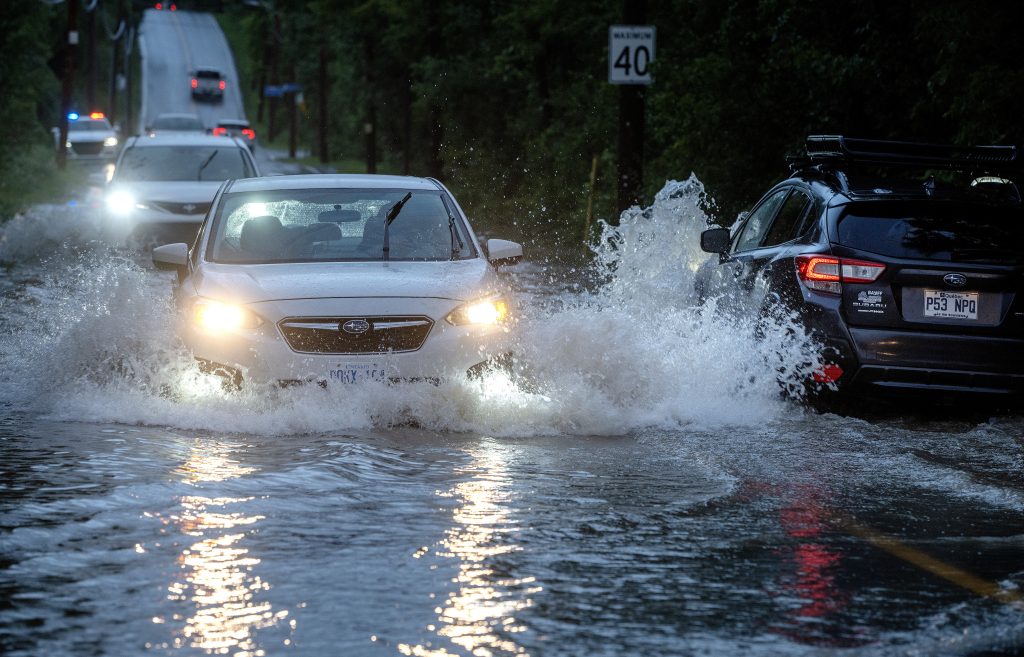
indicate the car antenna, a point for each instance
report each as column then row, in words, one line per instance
column 388, row 218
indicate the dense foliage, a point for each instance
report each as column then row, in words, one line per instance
column 509, row 102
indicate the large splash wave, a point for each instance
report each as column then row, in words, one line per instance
column 88, row 334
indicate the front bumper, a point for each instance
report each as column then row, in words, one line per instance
column 263, row 354
column 150, row 227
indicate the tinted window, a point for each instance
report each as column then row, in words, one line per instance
column 183, row 163
column 787, row 223
column 208, row 75
column 310, row 225
column 758, row 222
column 947, row 233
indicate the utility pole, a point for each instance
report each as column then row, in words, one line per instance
column 68, row 82
column 324, row 89
column 370, row 127
column 293, row 118
column 115, row 65
column 90, row 57
column 631, row 120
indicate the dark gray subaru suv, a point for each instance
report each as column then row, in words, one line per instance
column 905, row 261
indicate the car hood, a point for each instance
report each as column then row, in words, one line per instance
column 460, row 280
column 185, row 191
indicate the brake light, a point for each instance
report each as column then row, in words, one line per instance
column 827, row 273
column 174, row 7
column 220, row 132
column 195, row 83
column 249, row 133
column 222, row 85
column 96, row 115
column 159, row 5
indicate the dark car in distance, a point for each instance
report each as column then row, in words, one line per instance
column 905, row 261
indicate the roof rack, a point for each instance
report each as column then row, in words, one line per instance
column 833, row 151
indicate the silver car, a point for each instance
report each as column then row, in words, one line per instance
column 162, row 186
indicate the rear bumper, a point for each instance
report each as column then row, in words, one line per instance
column 905, row 362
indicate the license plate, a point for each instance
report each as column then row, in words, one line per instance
column 950, row 305
column 356, row 373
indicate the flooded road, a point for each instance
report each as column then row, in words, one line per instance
column 641, row 488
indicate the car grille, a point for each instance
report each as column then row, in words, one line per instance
column 324, row 335
column 87, row 147
column 181, row 208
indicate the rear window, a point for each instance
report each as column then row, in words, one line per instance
column 962, row 233
column 208, row 75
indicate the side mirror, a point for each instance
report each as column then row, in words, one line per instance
column 503, row 252
column 715, row 240
column 171, row 256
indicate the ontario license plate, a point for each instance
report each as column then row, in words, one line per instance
column 950, row 305
column 356, row 373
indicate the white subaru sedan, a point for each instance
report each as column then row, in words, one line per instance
column 341, row 278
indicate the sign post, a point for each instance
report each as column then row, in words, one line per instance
column 631, row 51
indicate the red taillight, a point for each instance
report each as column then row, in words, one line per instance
column 828, row 373
column 174, row 7
column 222, row 85
column 195, row 83
column 249, row 133
column 827, row 273
column 159, row 5
column 220, row 132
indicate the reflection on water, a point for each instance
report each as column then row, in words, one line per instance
column 479, row 615
column 218, row 578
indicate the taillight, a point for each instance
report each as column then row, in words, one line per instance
column 159, row 5
column 174, row 7
column 220, row 132
column 195, row 83
column 249, row 133
column 827, row 273
column 222, row 85
column 827, row 373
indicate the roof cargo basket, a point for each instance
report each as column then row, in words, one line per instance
column 837, row 150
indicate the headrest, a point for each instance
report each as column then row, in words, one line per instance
column 261, row 235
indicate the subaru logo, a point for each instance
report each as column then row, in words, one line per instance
column 188, row 207
column 955, row 280
column 356, row 326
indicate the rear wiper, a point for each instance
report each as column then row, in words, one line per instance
column 388, row 218
column 199, row 174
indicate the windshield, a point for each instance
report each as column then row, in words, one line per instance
column 325, row 225
column 183, row 163
column 952, row 232
column 89, row 125
column 177, row 123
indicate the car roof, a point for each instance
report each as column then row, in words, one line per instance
column 184, row 139
column 335, row 181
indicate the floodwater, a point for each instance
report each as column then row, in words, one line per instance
column 643, row 486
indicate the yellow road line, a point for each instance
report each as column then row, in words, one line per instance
column 926, row 562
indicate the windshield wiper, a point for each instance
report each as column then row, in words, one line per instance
column 199, row 174
column 457, row 244
column 388, row 218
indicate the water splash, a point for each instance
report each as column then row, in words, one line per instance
column 92, row 338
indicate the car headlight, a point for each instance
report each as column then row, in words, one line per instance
column 218, row 317
column 110, row 141
column 121, row 202
column 492, row 310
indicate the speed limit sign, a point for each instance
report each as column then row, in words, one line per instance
column 630, row 54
